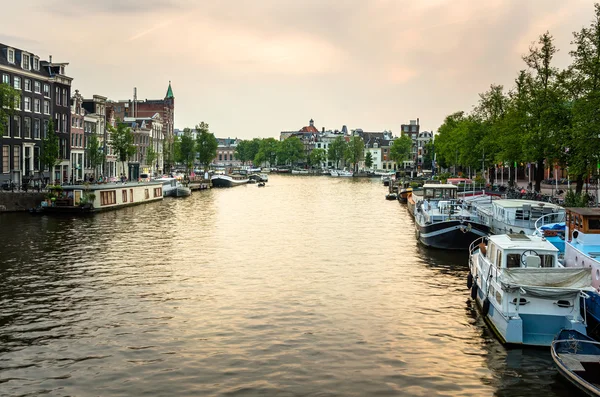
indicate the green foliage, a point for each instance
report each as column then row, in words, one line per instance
column 573, row 199
column 242, row 153
column 428, row 155
column 317, row 157
column 50, row 149
column 400, row 149
column 268, row 150
column 151, row 155
column 368, row 160
column 187, row 149
column 291, row 151
column 95, row 153
column 206, row 145
column 8, row 97
column 336, row 150
column 122, row 141
column 355, row 150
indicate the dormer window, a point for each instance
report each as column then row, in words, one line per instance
column 36, row 63
column 11, row 55
column 25, row 61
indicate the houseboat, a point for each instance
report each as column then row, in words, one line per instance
column 172, row 187
column 228, row 180
column 78, row 199
column 512, row 216
column 582, row 245
column 442, row 222
column 525, row 294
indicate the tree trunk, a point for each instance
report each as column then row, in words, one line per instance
column 579, row 185
column 539, row 175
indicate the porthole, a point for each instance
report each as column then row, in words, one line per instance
column 576, row 259
column 522, row 301
column 564, row 303
column 597, row 274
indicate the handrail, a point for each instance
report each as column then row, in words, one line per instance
column 475, row 243
column 537, row 227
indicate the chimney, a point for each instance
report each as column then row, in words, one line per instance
column 323, row 130
column 50, row 57
column 417, row 121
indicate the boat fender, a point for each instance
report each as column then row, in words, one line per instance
column 474, row 291
column 469, row 281
column 485, row 307
column 575, row 233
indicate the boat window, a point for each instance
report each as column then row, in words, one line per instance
column 513, row 260
column 547, row 260
column 499, row 258
column 594, row 223
column 428, row 193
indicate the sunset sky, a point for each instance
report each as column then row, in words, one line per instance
column 252, row 68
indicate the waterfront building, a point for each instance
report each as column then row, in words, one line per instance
column 378, row 144
column 324, row 139
column 77, row 139
column 21, row 140
column 96, row 111
column 226, row 153
column 419, row 145
column 93, row 124
column 307, row 135
column 147, row 131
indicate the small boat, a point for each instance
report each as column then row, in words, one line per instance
column 345, row 173
column 577, row 357
column 182, row 191
column 524, row 293
column 334, row 173
column 391, row 196
column 300, row 172
column 259, row 177
column 261, row 184
column 230, row 180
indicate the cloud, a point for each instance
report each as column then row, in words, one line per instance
column 79, row 7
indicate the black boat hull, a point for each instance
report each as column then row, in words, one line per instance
column 452, row 235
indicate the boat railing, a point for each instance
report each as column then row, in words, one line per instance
column 475, row 244
column 545, row 220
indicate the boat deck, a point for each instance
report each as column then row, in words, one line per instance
column 592, row 250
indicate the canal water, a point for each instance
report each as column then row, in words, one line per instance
column 311, row 286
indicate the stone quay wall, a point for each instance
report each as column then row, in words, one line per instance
column 20, row 201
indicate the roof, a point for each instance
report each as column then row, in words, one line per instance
column 440, row 186
column 508, row 241
column 309, row 128
column 517, row 203
column 585, row 211
column 43, row 72
column 105, row 186
column 169, row 92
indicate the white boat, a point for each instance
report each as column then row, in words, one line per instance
column 442, row 222
column 172, row 187
column 334, row 173
column 508, row 216
column 229, row 180
column 525, row 294
column 300, row 172
column 582, row 241
column 345, row 173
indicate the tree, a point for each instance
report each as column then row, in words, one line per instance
column 291, row 150
column 206, row 145
column 317, row 157
column 336, row 150
column 50, row 149
column 8, row 97
column 242, row 152
column 355, row 150
column 151, row 155
column 267, row 152
column 368, row 160
column 122, row 142
column 253, row 148
column 400, row 149
column 95, row 153
column 187, row 149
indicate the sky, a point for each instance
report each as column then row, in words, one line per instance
column 253, row 68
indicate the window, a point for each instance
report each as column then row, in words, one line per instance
column 17, row 157
column 27, row 104
column 45, row 131
column 11, row 55
column 108, row 198
column 36, row 157
column 36, row 129
column 131, row 195
column 46, row 107
column 6, row 127
column 6, row 79
column 594, row 223
column 56, row 122
column 17, row 83
column 25, row 63
column 146, row 194
column 37, row 107
column 157, row 192
column 17, row 126
column 37, row 87
column 65, row 123
column 27, row 127
column 5, row 158
column 36, row 63
column 27, row 85
column 57, row 95
column 46, row 90
column 124, row 192
column 64, row 98
column 513, row 260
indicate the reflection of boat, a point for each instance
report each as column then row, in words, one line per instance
column 525, row 295
column 577, row 358
column 231, row 180
column 441, row 222
column 391, row 196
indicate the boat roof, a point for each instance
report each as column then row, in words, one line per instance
column 440, row 186
column 114, row 185
column 585, row 211
column 518, row 203
column 522, row 241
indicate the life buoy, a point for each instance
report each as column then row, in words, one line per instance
column 474, row 291
column 469, row 281
column 485, row 307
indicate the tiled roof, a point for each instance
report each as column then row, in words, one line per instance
column 43, row 72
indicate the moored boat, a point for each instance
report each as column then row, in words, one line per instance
column 229, row 180
column 524, row 293
column 515, row 215
column 582, row 241
column 577, row 357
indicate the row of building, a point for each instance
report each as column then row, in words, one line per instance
column 376, row 143
column 47, row 92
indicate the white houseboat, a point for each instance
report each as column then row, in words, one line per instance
column 512, row 216
column 228, row 180
column 582, row 245
column 524, row 293
column 100, row 197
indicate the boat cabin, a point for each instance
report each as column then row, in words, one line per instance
column 439, row 192
column 583, row 222
column 508, row 251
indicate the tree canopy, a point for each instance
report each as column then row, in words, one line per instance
column 206, row 145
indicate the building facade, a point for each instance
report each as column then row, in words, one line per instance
column 77, row 138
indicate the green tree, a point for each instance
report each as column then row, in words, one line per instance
column 122, row 142
column 368, row 160
column 242, row 152
column 267, row 152
column 291, row 151
column 95, row 153
column 336, row 151
column 175, row 150
column 355, row 150
column 400, row 149
column 50, row 149
column 187, row 149
column 253, row 148
column 151, row 155
column 317, row 157
column 8, row 98
column 206, row 145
